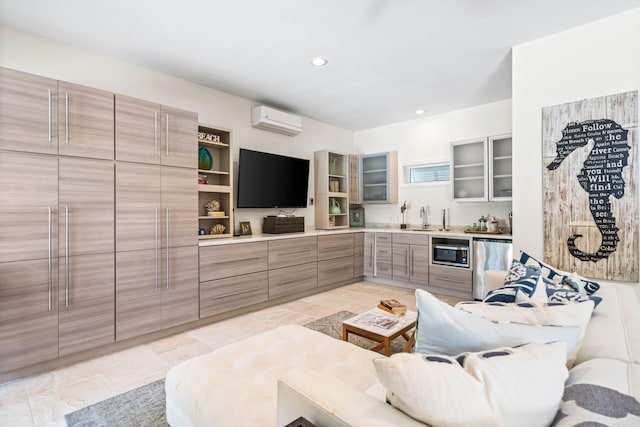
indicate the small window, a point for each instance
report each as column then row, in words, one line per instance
column 428, row 173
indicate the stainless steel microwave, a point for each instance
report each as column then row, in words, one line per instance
column 456, row 255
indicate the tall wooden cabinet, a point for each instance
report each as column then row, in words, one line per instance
column 28, row 259
column 85, row 253
column 156, row 217
column 379, row 178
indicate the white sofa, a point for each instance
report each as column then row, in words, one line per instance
column 275, row 377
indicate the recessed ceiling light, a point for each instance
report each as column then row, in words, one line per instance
column 420, row 111
column 319, row 61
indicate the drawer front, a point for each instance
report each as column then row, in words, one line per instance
column 288, row 252
column 383, row 252
column 383, row 238
column 383, row 268
column 219, row 296
column 335, row 270
column 291, row 280
column 358, row 255
column 458, row 279
column 401, row 238
column 218, row 262
column 419, row 239
column 335, row 246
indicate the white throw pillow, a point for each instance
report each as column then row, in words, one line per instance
column 576, row 314
column 442, row 329
column 502, row 387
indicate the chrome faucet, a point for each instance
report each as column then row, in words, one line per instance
column 424, row 214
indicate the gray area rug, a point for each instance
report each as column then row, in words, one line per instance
column 145, row 406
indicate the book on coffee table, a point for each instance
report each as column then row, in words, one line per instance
column 373, row 319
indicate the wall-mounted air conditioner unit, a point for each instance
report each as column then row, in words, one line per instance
column 267, row 118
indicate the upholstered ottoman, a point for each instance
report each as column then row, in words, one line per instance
column 236, row 385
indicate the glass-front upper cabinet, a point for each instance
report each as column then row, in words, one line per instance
column 469, row 170
column 379, row 177
column 500, row 168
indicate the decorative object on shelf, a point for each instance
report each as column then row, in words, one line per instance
column 334, row 186
column 212, row 206
column 334, row 207
column 332, row 221
column 217, row 229
column 403, row 208
column 333, row 162
column 217, row 214
column 356, row 217
column 245, row 228
column 202, row 179
column 202, row 231
column 205, row 161
column 209, row 137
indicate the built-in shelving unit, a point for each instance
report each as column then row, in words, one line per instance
column 215, row 183
column 332, row 189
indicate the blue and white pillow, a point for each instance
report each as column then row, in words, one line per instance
column 568, row 280
column 559, row 294
column 521, row 279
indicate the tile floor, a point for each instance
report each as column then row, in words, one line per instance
column 44, row 399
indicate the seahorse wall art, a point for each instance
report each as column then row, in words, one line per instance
column 590, row 195
column 600, row 176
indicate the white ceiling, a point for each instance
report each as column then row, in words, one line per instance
column 387, row 58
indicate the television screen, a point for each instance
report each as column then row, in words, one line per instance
column 271, row 181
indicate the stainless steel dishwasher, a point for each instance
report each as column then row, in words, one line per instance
column 489, row 254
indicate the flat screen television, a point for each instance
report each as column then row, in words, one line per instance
column 268, row 180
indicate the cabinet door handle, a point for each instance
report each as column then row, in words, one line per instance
column 50, row 131
column 66, row 117
column 155, row 131
column 155, row 244
column 406, row 261
column 66, row 256
column 50, row 262
column 167, row 242
column 167, row 135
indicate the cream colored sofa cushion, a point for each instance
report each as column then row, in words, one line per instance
column 237, row 384
column 501, row 387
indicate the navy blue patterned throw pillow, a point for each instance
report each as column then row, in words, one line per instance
column 520, row 278
column 568, row 280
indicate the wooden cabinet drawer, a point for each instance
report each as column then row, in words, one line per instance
column 218, row 262
column 290, row 280
column 383, row 238
column 335, row 270
column 459, row 279
column 411, row 238
column 383, row 252
column 335, row 246
column 288, row 252
column 219, row 296
column 383, row 268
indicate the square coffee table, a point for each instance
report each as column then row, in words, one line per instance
column 381, row 335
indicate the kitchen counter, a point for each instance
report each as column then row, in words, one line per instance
column 453, row 232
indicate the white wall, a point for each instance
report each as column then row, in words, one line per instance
column 427, row 140
column 593, row 60
column 23, row 51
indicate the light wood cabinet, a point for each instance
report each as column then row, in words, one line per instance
column 335, row 258
column 86, row 254
column 28, row 259
column 233, row 276
column 379, row 178
column 216, row 182
column 410, row 258
column 355, row 197
column 369, row 253
column 331, row 171
column 137, row 135
column 179, row 196
column 222, row 295
column 453, row 278
column 358, row 254
column 288, row 252
column 86, row 302
column 180, row 299
column 28, row 313
column 290, row 280
column 383, row 256
column 156, row 134
column 86, row 120
column 28, row 112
